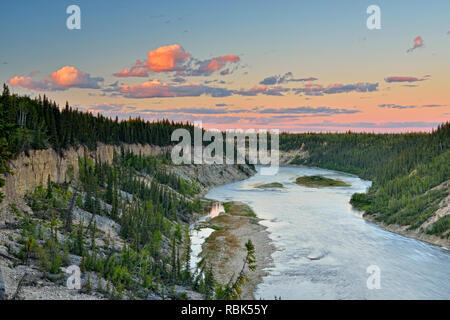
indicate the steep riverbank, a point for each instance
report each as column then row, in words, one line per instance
column 225, row 250
column 413, row 234
column 419, row 234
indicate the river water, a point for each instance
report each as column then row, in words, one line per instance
column 324, row 246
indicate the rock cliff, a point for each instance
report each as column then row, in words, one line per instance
column 32, row 169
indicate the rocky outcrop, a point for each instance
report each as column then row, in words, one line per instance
column 213, row 174
column 286, row 157
column 32, row 169
column 444, row 207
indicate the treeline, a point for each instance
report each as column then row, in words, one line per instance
column 45, row 125
column 402, row 167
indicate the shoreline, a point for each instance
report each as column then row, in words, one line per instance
column 225, row 248
column 411, row 234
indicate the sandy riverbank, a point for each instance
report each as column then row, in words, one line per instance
column 225, row 247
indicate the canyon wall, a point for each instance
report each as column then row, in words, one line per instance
column 32, row 169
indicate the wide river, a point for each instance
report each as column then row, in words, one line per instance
column 324, row 246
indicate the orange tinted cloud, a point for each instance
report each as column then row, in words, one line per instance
column 418, row 43
column 137, row 70
column 62, row 79
column 29, row 83
column 174, row 58
column 157, row 89
column 219, row 62
column 20, row 81
column 68, row 76
column 147, row 89
column 167, row 58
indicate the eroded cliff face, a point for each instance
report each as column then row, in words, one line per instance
column 32, row 169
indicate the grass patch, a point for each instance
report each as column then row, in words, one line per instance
column 227, row 222
column 319, row 181
column 270, row 185
column 238, row 209
column 214, row 227
column 221, row 239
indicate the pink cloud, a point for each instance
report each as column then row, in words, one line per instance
column 62, row 79
column 148, row 89
column 25, row 82
column 69, row 76
column 218, row 63
column 418, row 43
column 169, row 58
column 31, row 84
column 157, row 89
column 174, row 58
column 139, row 69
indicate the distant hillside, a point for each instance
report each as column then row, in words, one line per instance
column 406, row 170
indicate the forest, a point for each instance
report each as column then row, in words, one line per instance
column 403, row 168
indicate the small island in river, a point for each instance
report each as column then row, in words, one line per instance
column 319, row 181
column 270, row 185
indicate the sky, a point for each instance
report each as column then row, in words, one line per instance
column 295, row 66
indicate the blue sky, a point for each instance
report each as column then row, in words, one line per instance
column 327, row 40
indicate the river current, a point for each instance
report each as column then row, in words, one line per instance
column 325, row 247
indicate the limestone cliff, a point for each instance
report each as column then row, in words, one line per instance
column 33, row 168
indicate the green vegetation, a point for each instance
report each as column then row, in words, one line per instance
column 156, row 255
column 440, row 226
column 7, row 132
column 270, row 185
column 233, row 289
column 319, row 181
column 43, row 124
column 238, row 209
column 403, row 169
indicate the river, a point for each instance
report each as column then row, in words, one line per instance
column 324, row 246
